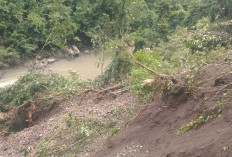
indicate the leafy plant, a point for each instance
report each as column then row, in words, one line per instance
column 139, row 74
column 201, row 38
column 33, row 83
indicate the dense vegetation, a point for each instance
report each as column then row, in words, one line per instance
column 27, row 26
column 40, row 87
column 167, row 36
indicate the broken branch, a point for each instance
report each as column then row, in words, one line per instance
column 147, row 68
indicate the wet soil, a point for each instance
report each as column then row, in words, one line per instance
column 153, row 132
column 21, row 143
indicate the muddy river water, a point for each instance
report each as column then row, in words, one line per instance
column 85, row 65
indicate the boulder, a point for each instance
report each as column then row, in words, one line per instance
column 87, row 52
column 44, row 61
column 76, row 51
column 41, row 64
column 73, row 51
column 146, row 48
column 70, row 53
column 51, row 60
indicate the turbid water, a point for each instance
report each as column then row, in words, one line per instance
column 86, row 65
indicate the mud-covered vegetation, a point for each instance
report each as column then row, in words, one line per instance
column 34, row 95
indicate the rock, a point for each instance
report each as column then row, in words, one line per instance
column 44, row 61
column 76, row 50
column 147, row 82
column 36, row 62
column 146, row 48
column 51, row 60
column 70, row 51
column 40, row 65
column 38, row 57
column 87, row 52
column 73, row 51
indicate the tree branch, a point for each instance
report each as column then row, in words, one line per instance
column 147, row 68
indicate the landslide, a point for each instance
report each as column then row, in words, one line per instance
column 204, row 98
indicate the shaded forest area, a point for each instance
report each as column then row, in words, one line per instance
column 27, row 26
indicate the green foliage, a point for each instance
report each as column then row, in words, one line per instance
column 74, row 135
column 33, row 83
column 139, row 75
column 8, row 56
column 201, row 38
column 176, row 18
column 144, row 93
column 175, row 55
column 27, row 25
column 2, row 125
column 181, row 57
column 214, row 9
column 78, row 132
column 121, row 64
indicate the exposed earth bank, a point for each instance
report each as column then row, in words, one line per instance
column 202, row 106
column 153, row 133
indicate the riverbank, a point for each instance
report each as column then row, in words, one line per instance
column 86, row 65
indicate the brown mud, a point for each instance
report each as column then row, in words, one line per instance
column 21, row 143
column 153, row 132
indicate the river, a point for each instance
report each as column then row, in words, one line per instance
column 85, row 65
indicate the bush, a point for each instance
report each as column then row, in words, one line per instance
column 32, row 83
column 138, row 74
column 8, row 57
column 201, row 39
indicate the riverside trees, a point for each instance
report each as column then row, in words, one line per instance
column 26, row 25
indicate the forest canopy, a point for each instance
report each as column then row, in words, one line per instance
column 26, row 25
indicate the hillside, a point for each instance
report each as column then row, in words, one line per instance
column 160, row 85
column 153, row 133
column 147, row 131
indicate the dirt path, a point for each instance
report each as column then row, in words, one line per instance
column 20, row 143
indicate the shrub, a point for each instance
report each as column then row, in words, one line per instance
column 138, row 74
column 201, row 39
column 35, row 82
column 8, row 56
